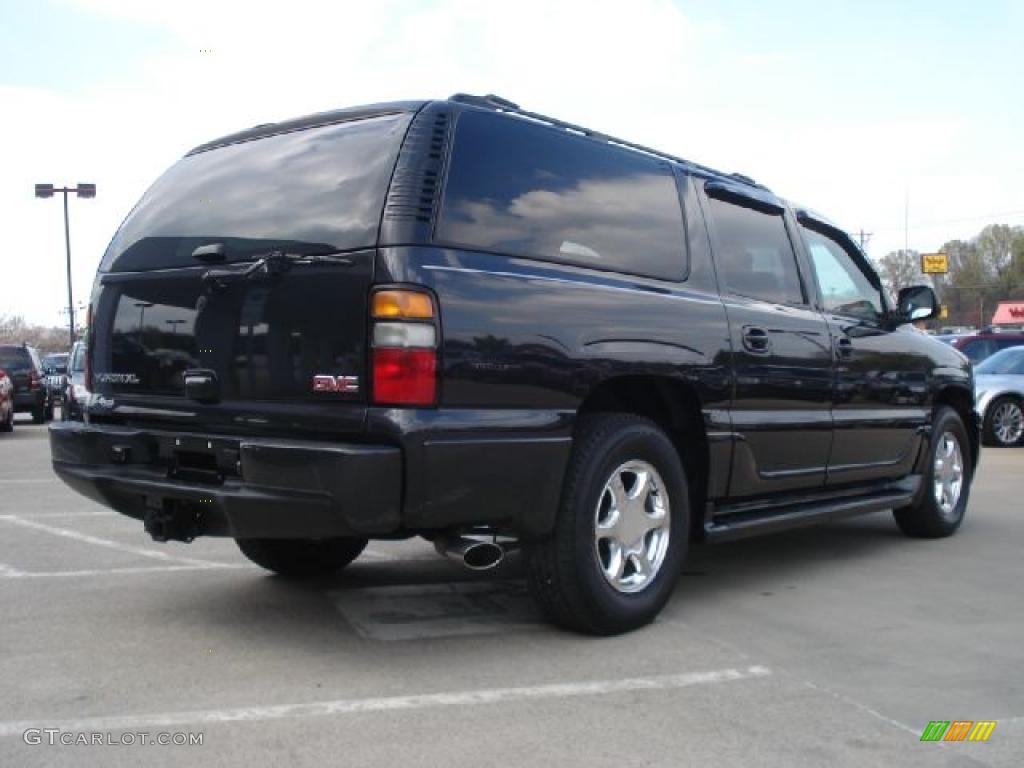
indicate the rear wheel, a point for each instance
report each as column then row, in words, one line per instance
column 39, row 414
column 621, row 533
column 1004, row 422
column 7, row 425
column 939, row 508
column 302, row 558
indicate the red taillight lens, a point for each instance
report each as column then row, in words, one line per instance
column 404, row 376
column 35, row 380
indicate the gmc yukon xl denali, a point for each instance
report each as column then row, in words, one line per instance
column 469, row 322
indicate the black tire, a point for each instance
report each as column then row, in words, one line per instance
column 48, row 415
column 564, row 570
column 989, row 433
column 39, row 414
column 7, row 425
column 302, row 558
column 925, row 518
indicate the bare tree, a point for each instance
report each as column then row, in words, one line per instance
column 14, row 330
column 901, row 269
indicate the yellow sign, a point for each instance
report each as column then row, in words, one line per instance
column 943, row 312
column 934, row 263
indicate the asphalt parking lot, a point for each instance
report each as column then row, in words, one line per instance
column 828, row 646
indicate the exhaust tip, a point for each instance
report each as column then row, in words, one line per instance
column 473, row 554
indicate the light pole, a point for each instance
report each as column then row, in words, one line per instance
column 82, row 190
column 143, row 306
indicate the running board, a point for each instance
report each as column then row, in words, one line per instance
column 738, row 525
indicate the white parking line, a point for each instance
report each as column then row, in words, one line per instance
column 391, row 703
column 87, row 539
column 72, row 513
column 9, row 572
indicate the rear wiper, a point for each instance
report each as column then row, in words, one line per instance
column 270, row 265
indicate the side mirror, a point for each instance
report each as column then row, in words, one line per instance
column 916, row 303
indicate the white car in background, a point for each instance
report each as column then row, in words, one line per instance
column 999, row 397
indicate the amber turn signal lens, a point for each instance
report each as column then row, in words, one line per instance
column 409, row 305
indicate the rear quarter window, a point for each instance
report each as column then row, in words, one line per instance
column 525, row 189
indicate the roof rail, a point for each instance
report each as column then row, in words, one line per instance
column 499, row 104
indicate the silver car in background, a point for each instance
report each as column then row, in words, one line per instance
column 76, row 396
column 999, row 397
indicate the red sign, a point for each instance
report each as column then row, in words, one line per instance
column 1009, row 312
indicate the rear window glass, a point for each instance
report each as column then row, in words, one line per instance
column 528, row 190
column 15, row 357
column 58, row 363
column 317, row 190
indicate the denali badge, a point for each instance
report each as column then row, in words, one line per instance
column 116, row 378
column 325, row 383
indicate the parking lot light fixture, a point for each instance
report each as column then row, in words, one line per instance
column 83, row 191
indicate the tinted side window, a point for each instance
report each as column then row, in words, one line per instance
column 529, row 190
column 754, row 256
column 845, row 289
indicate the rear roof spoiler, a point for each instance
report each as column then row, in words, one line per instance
column 309, row 121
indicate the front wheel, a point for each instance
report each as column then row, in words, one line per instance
column 939, row 508
column 302, row 558
column 621, row 534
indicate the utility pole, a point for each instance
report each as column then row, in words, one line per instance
column 906, row 222
column 864, row 238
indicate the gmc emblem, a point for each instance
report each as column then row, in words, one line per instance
column 346, row 384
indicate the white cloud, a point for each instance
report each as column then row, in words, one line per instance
column 642, row 70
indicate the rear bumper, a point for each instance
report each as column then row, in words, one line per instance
column 279, row 488
column 426, row 470
column 27, row 401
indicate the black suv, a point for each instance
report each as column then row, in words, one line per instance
column 31, row 394
column 465, row 321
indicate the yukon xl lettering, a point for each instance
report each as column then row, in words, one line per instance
column 464, row 321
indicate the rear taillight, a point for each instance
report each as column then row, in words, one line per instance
column 403, row 338
column 88, row 349
column 35, row 380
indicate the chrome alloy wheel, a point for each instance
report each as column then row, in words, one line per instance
column 948, row 477
column 632, row 526
column 1008, row 423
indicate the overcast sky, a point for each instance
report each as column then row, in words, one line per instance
column 844, row 106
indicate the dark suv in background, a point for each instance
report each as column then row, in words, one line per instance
column 31, row 395
column 465, row 321
column 55, row 369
